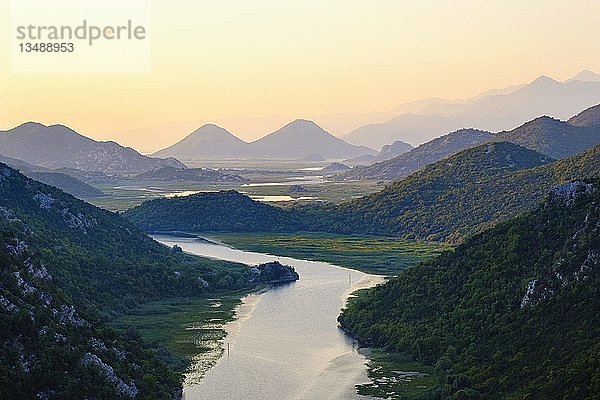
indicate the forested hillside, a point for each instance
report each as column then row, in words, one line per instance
column 225, row 211
column 458, row 196
column 49, row 349
column 98, row 258
column 67, row 266
column 513, row 313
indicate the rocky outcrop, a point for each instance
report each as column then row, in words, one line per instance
column 273, row 273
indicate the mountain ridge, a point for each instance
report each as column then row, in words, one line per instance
column 65, row 182
column 547, row 135
column 297, row 139
column 499, row 112
column 500, row 311
column 67, row 268
column 413, row 160
column 58, row 146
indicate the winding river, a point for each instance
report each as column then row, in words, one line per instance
column 285, row 342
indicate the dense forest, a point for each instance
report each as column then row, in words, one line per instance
column 460, row 195
column 225, row 211
column 67, row 266
column 445, row 201
column 51, row 350
column 513, row 313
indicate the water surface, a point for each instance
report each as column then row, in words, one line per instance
column 285, row 342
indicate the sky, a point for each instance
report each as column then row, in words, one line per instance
column 252, row 65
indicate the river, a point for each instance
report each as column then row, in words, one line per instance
column 285, row 342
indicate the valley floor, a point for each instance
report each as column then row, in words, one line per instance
column 371, row 254
column 190, row 329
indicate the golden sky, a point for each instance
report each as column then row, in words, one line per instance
column 244, row 60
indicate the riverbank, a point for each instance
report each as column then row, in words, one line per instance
column 285, row 341
column 370, row 254
column 386, row 375
column 192, row 331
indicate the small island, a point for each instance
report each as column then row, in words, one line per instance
column 273, row 273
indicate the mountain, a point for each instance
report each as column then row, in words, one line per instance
column 52, row 350
column 589, row 117
column 67, row 183
column 171, row 174
column 62, row 181
column 586, row 76
column 510, row 314
column 390, row 151
column 225, row 211
column 66, row 265
column 496, row 112
column 335, row 167
column 86, row 238
column 460, row 195
column 298, row 140
column 208, row 141
column 57, row 146
column 413, row 160
column 556, row 139
column 447, row 201
column 411, row 128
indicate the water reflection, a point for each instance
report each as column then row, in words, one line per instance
column 285, row 343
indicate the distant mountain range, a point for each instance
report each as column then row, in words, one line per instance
column 493, row 111
column 297, row 140
column 554, row 138
column 411, row 161
column 57, row 146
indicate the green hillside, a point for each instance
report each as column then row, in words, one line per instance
column 225, row 211
column 66, row 267
column 513, row 313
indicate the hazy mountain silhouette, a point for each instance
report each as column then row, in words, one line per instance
column 57, row 146
column 390, row 151
column 496, row 111
column 302, row 137
column 297, row 140
column 208, row 141
column 587, row 76
column 427, row 153
column 548, row 136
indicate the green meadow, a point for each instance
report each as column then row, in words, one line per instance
column 372, row 254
